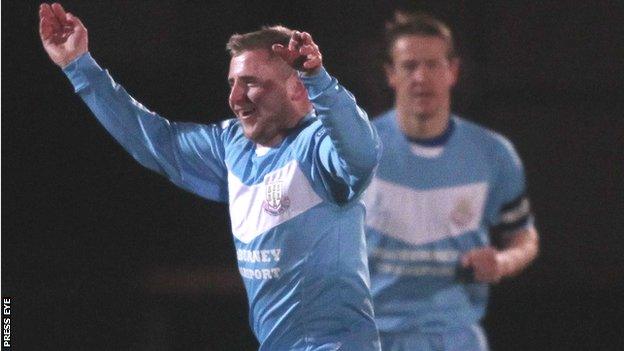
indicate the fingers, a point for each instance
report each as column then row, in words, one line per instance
column 75, row 22
column 66, row 20
column 313, row 63
column 312, row 56
column 293, row 44
column 46, row 29
column 48, row 17
column 54, row 21
column 300, row 39
column 301, row 52
column 45, row 11
column 59, row 12
column 308, row 50
column 306, row 38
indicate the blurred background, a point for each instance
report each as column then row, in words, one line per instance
column 101, row 254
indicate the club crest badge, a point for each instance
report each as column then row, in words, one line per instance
column 463, row 213
column 275, row 202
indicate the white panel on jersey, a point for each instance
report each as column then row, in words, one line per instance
column 423, row 216
column 426, row 151
column 284, row 194
column 262, row 150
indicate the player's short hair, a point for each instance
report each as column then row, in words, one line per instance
column 405, row 24
column 260, row 39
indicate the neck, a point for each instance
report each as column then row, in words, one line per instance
column 277, row 139
column 421, row 126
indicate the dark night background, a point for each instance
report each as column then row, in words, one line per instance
column 101, row 254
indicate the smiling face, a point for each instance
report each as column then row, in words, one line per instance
column 263, row 94
column 422, row 75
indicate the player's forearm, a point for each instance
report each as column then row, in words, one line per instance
column 141, row 132
column 347, row 125
column 519, row 252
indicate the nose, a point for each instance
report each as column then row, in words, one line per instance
column 237, row 94
column 419, row 73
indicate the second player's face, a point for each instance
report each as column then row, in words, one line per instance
column 422, row 75
column 259, row 96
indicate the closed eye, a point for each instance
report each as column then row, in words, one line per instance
column 247, row 80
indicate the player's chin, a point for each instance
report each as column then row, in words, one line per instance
column 254, row 133
column 423, row 109
column 250, row 132
column 250, row 126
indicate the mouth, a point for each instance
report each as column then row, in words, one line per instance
column 245, row 113
column 422, row 95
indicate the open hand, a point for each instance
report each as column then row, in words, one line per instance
column 63, row 35
column 301, row 54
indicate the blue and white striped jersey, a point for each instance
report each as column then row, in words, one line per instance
column 297, row 221
column 426, row 207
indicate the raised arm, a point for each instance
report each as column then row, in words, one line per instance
column 350, row 152
column 190, row 155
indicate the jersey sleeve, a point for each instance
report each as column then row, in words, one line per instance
column 349, row 148
column 190, row 155
column 510, row 193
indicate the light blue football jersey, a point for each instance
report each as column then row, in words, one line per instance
column 426, row 207
column 297, row 220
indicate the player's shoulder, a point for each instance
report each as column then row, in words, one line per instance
column 490, row 140
column 306, row 137
column 482, row 134
column 309, row 130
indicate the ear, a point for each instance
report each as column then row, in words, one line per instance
column 296, row 89
column 454, row 66
column 390, row 75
